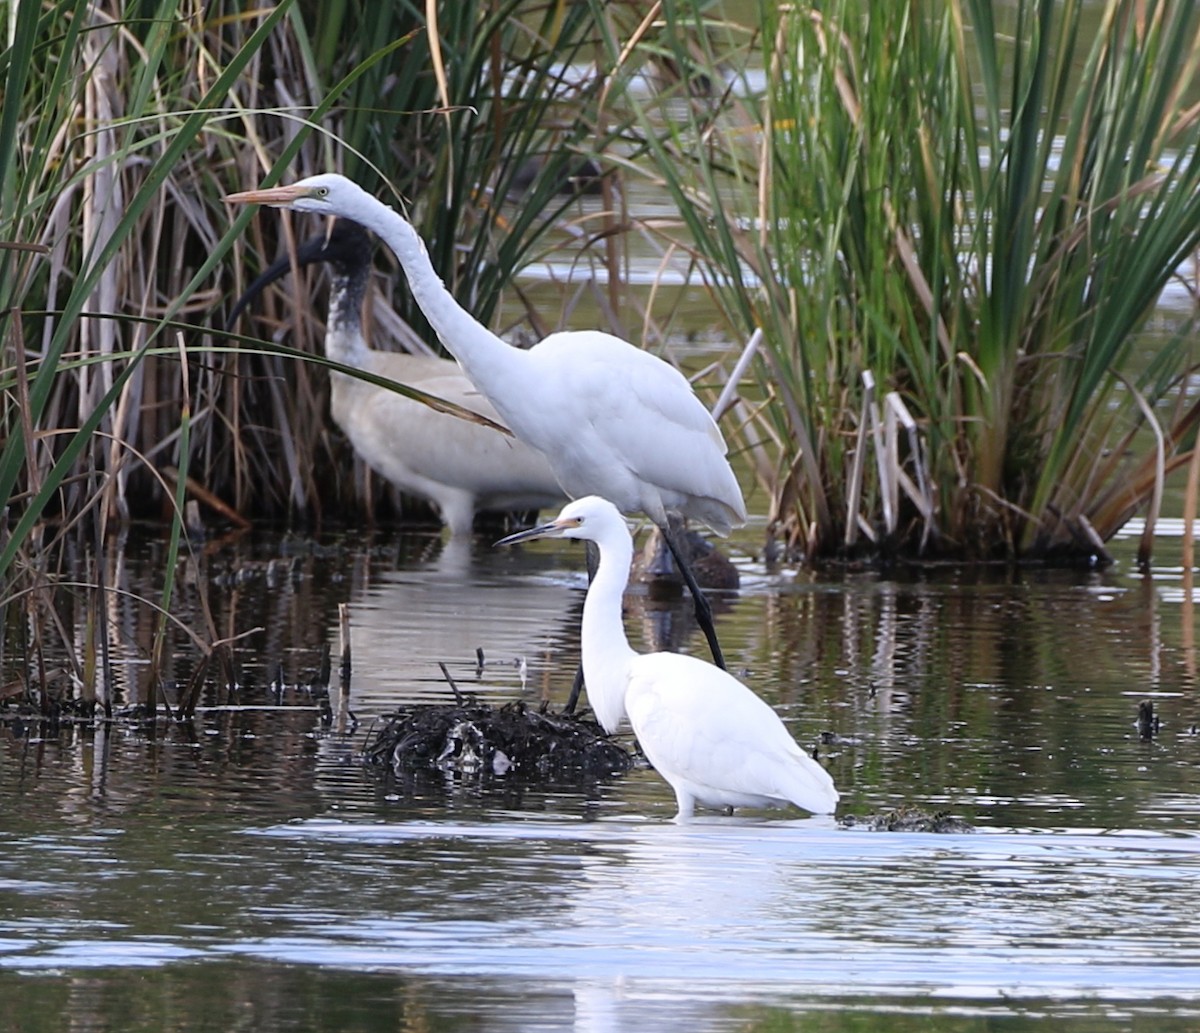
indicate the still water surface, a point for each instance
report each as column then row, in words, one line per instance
column 245, row 872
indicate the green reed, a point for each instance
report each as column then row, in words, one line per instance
column 120, row 131
column 952, row 232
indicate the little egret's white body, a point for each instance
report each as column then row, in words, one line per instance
column 611, row 419
column 461, row 467
column 707, row 734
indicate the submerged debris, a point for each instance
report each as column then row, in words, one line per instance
column 654, row 565
column 909, row 819
column 1148, row 724
column 480, row 739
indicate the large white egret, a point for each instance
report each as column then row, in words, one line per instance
column 461, row 467
column 612, row 419
column 706, row 733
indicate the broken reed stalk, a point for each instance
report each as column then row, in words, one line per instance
column 344, row 631
column 729, row 393
column 100, row 680
column 884, row 437
column 191, row 696
column 217, row 647
column 458, row 696
column 40, row 655
column 342, row 716
column 1188, row 606
column 325, row 669
column 854, row 492
column 177, row 518
column 4, row 514
column 1146, row 544
column 1189, row 509
column 875, row 435
column 920, row 493
column 33, row 488
column 201, row 493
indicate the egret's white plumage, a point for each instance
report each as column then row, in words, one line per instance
column 706, row 733
column 459, row 466
column 611, row 419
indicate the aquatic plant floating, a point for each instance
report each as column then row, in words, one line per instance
column 909, row 819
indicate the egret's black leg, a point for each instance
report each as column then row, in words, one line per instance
column 674, row 537
column 576, row 689
column 593, row 562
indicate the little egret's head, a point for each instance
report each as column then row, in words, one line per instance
column 326, row 194
column 590, row 517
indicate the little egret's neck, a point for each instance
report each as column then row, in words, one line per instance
column 606, row 650
column 485, row 358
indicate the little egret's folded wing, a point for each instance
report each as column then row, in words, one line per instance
column 701, row 725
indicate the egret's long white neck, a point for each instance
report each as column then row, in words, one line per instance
column 484, row 357
column 606, row 650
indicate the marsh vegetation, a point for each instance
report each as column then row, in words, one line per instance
column 951, row 222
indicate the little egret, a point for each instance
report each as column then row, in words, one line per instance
column 460, row 467
column 714, row 740
column 612, row 419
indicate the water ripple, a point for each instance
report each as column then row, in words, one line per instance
column 797, row 903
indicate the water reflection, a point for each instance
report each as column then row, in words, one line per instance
column 462, row 604
column 250, row 840
column 1010, row 696
column 621, row 912
column 240, row 994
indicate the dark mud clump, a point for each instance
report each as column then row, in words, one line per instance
column 511, row 741
column 908, row 819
